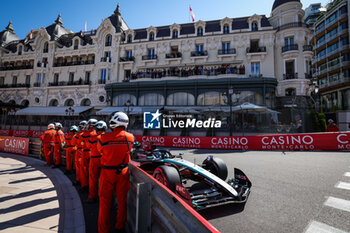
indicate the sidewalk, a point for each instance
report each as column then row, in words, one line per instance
column 36, row 198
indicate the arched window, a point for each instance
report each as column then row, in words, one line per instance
column 210, row 98
column 254, row 26
column 108, row 41
column 175, row 34
column 53, row 103
column 200, row 31
column 290, row 92
column 226, row 29
column 86, row 102
column 46, row 47
column 69, row 102
column 76, row 44
column 180, row 98
column 122, row 99
column 20, row 48
column 129, row 38
column 151, row 36
column 12, row 102
column 151, row 99
column 25, row 103
column 247, row 97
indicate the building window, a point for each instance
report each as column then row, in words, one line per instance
column 43, row 80
column 129, row 39
column 180, row 99
column 2, row 80
column 109, row 74
column 20, row 50
column 103, row 74
column 38, row 79
column 151, row 53
column 151, row 36
column 290, row 92
column 107, row 57
column 14, row 80
column 53, row 103
column 288, row 41
column 127, row 75
column 55, row 78
column 69, row 102
column 226, row 29
column 226, row 46
column 87, row 77
column 27, row 79
column 200, row 31
column 199, row 49
column 86, row 102
column 210, row 98
column 71, row 78
column 290, row 70
column 76, row 44
column 255, row 69
column 46, row 47
column 254, row 26
column 151, row 99
column 129, row 53
column 175, row 34
column 108, row 41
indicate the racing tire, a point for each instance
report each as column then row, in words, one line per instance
column 167, row 175
column 216, row 166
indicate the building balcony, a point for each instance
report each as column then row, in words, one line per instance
column 256, row 49
column 75, row 83
column 106, row 59
column 75, row 63
column 307, row 48
column 4, row 68
column 199, row 53
column 291, row 25
column 226, row 51
column 101, row 81
column 149, row 57
column 341, row 80
column 37, row 85
column 173, row 55
column 291, row 47
column 18, row 85
column 127, row 59
column 290, row 76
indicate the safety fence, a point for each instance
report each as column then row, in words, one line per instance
column 338, row 141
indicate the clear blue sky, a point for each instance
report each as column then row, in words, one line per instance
column 27, row 15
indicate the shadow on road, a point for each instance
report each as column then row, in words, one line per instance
column 222, row 211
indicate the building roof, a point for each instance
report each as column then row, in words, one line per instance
column 277, row 3
column 56, row 29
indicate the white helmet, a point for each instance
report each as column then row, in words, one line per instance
column 92, row 122
column 119, row 119
column 101, row 126
column 58, row 125
column 82, row 124
column 73, row 128
column 51, row 126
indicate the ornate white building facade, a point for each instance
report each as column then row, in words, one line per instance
column 261, row 58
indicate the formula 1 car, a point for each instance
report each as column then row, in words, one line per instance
column 201, row 186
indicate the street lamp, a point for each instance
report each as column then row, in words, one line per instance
column 314, row 91
column 11, row 113
column 128, row 106
column 228, row 100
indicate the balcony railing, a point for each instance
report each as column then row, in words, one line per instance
column 290, row 47
column 307, row 48
column 75, row 63
column 126, row 59
column 173, row 55
column 226, row 51
column 149, row 57
column 37, row 84
column 291, row 25
column 70, row 83
column 290, row 76
column 18, row 85
column 199, row 53
column 16, row 67
column 106, row 59
column 256, row 49
column 340, row 80
column 101, row 81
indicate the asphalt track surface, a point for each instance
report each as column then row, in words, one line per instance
column 292, row 191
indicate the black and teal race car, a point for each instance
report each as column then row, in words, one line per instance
column 201, row 186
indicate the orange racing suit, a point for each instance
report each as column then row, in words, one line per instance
column 85, row 156
column 70, row 151
column 48, row 142
column 115, row 150
column 58, row 140
column 78, row 152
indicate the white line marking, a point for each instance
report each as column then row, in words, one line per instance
column 343, row 185
column 347, row 174
column 337, row 203
column 318, row 227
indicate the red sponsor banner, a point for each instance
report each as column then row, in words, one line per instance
column 14, row 145
column 303, row 142
column 306, row 141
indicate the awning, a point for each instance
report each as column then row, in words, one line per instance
column 110, row 110
column 52, row 111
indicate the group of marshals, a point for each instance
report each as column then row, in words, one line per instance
column 100, row 162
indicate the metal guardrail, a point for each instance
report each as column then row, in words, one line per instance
column 154, row 208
